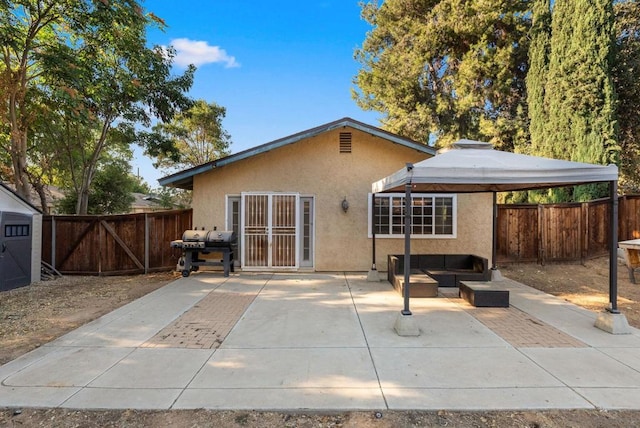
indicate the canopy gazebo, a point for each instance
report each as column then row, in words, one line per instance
column 473, row 167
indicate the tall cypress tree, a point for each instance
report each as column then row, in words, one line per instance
column 555, row 136
column 579, row 94
column 540, row 34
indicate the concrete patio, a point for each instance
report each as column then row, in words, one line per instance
column 326, row 342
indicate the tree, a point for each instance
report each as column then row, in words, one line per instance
column 580, row 119
column 92, row 56
column 117, row 84
column 627, row 85
column 540, row 34
column 198, row 135
column 26, row 29
column 171, row 198
column 111, row 190
column 441, row 70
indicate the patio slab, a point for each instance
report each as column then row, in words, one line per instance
column 154, row 368
column 484, row 398
column 317, row 399
column 288, row 368
column 326, row 342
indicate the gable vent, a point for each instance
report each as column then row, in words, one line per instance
column 345, row 142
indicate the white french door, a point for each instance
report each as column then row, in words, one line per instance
column 270, row 227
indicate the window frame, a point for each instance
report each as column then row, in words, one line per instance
column 433, row 196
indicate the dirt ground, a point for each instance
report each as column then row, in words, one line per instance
column 34, row 315
column 585, row 285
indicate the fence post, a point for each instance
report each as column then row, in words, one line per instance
column 541, row 236
column 623, row 226
column 146, row 243
column 53, row 242
column 584, row 232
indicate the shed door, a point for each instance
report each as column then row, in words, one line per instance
column 15, row 250
column 270, row 227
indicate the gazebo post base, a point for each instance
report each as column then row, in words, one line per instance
column 496, row 276
column 406, row 326
column 372, row 276
column 612, row 323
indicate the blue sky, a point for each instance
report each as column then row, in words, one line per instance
column 278, row 67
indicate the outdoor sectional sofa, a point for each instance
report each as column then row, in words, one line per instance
column 446, row 269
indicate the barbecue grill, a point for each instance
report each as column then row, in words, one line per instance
column 196, row 241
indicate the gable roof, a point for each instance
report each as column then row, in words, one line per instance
column 184, row 179
column 474, row 166
column 19, row 199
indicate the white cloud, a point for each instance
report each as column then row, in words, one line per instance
column 198, row 52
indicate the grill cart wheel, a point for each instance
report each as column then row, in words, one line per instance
column 185, row 273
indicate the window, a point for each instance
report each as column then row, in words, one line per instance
column 432, row 216
column 14, row 230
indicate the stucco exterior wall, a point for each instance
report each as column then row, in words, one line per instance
column 315, row 167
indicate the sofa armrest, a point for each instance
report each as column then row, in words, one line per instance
column 480, row 264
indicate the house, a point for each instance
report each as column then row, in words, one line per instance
column 304, row 202
column 20, row 240
column 145, row 203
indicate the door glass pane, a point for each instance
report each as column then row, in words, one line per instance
column 306, row 232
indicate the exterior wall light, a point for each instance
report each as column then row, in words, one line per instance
column 345, row 205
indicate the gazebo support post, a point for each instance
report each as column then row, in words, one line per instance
column 495, row 273
column 611, row 320
column 407, row 248
column 613, row 246
column 405, row 324
column 372, row 275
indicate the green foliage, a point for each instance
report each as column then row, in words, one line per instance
column 110, row 191
column 540, row 34
column 572, row 101
column 446, row 69
column 197, row 134
column 87, row 64
column 171, row 198
column 627, row 85
column 580, row 95
column 140, row 186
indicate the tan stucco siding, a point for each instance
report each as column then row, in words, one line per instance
column 314, row 167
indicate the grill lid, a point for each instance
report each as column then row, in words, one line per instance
column 194, row 235
column 221, row 236
column 209, row 236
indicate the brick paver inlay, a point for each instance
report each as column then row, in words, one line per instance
column 206, row 324
column 522, row 330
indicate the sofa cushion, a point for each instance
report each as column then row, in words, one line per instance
column 431, row 261
column 458, row 261
column 444, row 278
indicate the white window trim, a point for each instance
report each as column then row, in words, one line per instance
column 454, row 204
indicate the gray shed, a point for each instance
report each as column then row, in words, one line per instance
column 20, row 240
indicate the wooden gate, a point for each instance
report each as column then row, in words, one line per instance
column 113, row 245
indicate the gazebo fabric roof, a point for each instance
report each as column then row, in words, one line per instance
column 473, row 166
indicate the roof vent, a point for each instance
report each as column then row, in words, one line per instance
column 345, row 142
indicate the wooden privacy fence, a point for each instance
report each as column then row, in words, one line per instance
column 115, row 244
column 562, row 232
